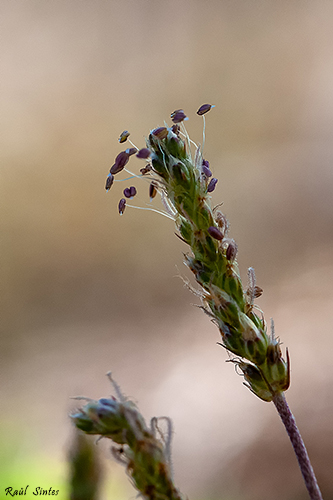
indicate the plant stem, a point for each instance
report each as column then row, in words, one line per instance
column 295, row 437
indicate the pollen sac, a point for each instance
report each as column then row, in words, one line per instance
column 175, row 129
column 131, row 151
column 231, row 251
column 205, row 168
column 121, row 206
column 215, row 233
column 212, row 184
column 119, row 163
column 204, row 109
column 123, row 136
column 129, row 192
column 178, row 116
column 145, row 170
column 160, row 132
column 109, row 182
column 152, row 190
column 143, row 153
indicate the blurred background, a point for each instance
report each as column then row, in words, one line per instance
column 85, row 291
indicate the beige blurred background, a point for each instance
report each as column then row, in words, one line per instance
column 85, row 291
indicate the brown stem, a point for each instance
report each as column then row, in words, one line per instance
column 295, row 437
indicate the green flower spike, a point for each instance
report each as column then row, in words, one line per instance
column 185, row 183
column 147, row 458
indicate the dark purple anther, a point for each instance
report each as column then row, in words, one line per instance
column 204, row 109
column 206, row 171
column 160, row 132
column 178, row 116
column 129, row 192
column 109, row 182
column 211, row 185
column 131, row 151
column 123, row 136
column 152, row 190
column 121, row 206
column 175, row 129
column 119, row 162
column 215, row 233
column 231, row 251
column 145, row 170
column 143, row 153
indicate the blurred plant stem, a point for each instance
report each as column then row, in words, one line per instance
column 295, row 437
column 85, row 468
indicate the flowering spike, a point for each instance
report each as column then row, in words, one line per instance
column 185, row 186
column 124, row 136
column 140, row 448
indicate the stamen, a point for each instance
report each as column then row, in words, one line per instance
column 188, row 140
column 152, row 210
column 132, row 144
column 168, row 205
column 124, row 136
column 272, row 330
column 211, row 185
column 203, row 132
